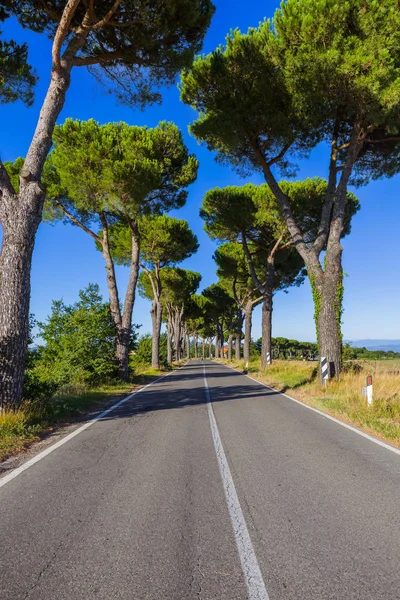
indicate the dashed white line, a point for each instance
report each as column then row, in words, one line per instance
column 251, row 570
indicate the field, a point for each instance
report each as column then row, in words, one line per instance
column 342, row 399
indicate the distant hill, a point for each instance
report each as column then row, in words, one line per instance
column 385, row 345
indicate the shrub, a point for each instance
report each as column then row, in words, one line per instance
column 142, row 355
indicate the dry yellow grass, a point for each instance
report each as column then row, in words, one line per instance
column 342, row 399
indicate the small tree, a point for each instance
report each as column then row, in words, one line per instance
column 79, row 341
column 109, row 176
column 136, row 47
column 322, row 71
column 164, row 242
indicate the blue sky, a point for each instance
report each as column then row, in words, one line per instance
column 65, row 259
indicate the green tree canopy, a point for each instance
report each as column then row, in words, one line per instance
column 134, row 47
column 263, row 98
column 323, row 71
column 123, row 170
column 131, row 46
column 79, row 341
column 250, row 211
column 116, row 176
column 164, row 241
column 233, row 273
column 17, row 78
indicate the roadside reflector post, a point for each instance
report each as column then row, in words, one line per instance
column 369, row 390
column 268, row 358
column 324, row 369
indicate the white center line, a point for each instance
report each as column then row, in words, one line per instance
column 251, row 570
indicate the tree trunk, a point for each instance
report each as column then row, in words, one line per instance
column 248, row 316
column 15, row 266
column 266, row 329
column 222, row 344
column 266, row 319
column 210, row 349
column 178, row 333
column 238, row 344
column 196, row 341
column 217, row 348
column 156, row 315
column 124, row 333
column 230, row 347
column 169, row 342
column 20, row 216
column 188, row 346
column 115, row 308
column 203, row 349
column 328, row 295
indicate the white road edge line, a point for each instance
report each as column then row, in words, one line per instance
column 29, row 463
column 251, row 570
column 323, row 414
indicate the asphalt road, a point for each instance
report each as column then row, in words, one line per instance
column 142, row 506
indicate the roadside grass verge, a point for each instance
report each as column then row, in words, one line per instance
column 341, row 399
column 21, row 428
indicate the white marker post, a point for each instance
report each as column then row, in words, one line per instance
column 369, row 390
column 268, row 358
column 324, row 369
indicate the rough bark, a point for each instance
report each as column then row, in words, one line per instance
column 217, row 346
column 156, row 319
column 266, row 331
column 325, row 282
column 230, row 338
column 124, row 332
column 266, row 318
column 177, row 328
column 111, row 278
column 15, row 265
column 248, row 316
column 20, row 216
column 187, row 346
column 203, row 349
column 327, row 292
column 238, row 341
column 210, row 349
column 169, row 341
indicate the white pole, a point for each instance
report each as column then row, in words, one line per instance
column 369, row 391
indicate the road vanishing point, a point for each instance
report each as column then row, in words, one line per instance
column 204, row 485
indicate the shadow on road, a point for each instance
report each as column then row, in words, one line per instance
column 186, row 388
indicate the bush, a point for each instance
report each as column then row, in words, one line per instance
column 79, row 346
column 142, row 355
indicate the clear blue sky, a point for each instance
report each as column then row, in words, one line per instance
column 65, row 259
